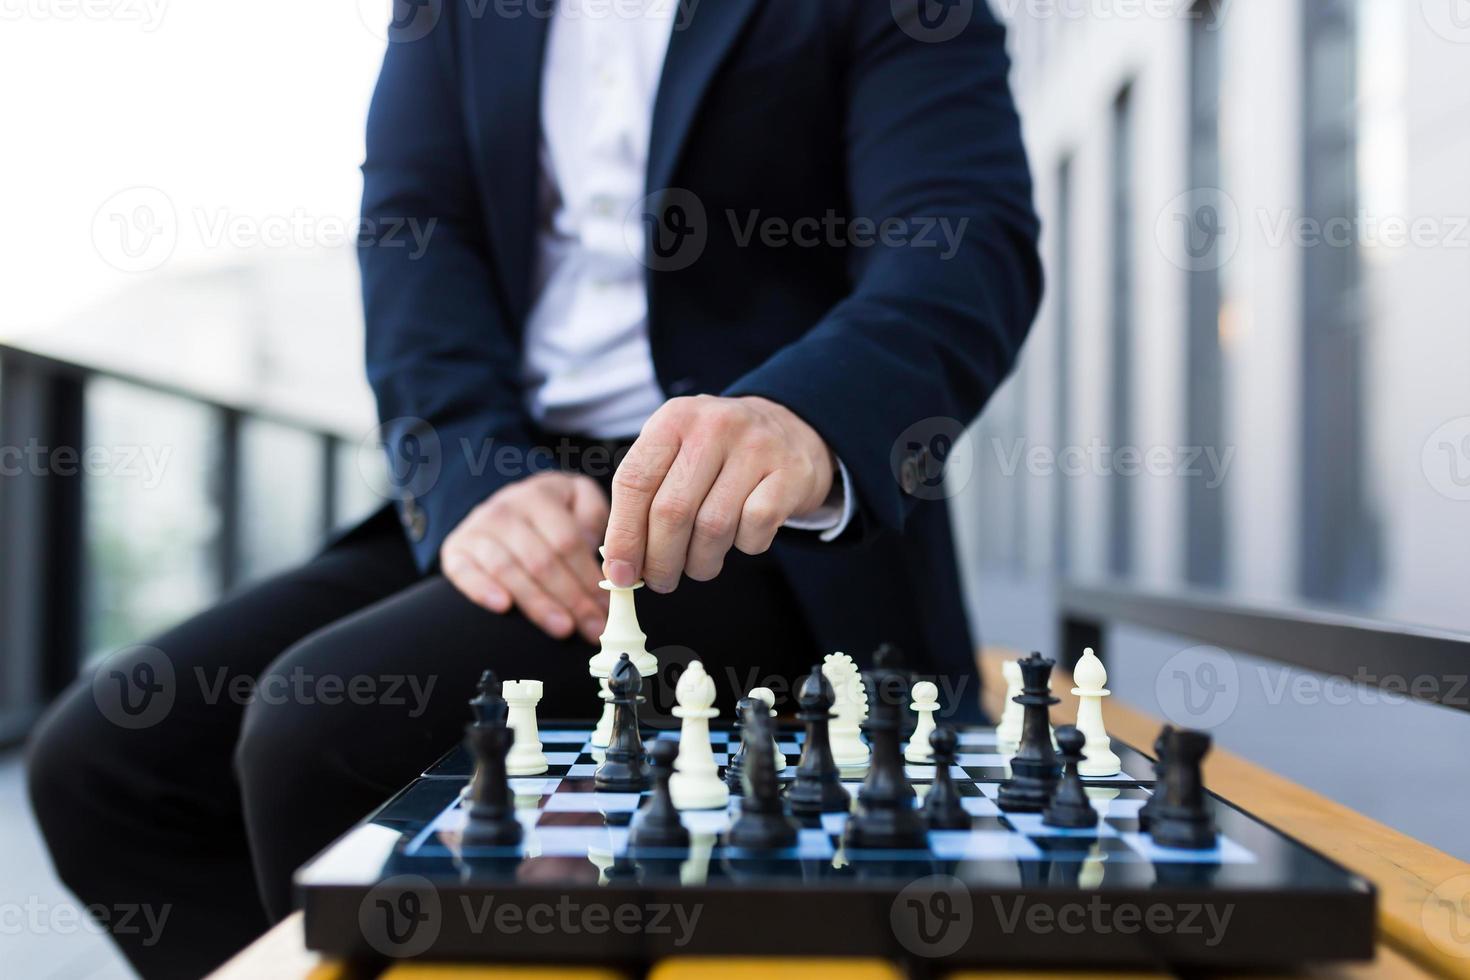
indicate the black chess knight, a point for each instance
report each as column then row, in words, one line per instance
column 763, row 824
column 818, row 788
column 885, row 816
column 492, row 818
column 736, row 761
column 625, row 767
column 1034, row 769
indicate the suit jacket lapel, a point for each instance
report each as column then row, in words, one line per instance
column 704, row 31
column 511, row 53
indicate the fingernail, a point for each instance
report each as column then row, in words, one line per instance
column 621, row 573
column 559, row 623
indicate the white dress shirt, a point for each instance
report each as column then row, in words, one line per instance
column 587, row 366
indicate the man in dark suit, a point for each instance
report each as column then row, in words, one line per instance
column 771, row 256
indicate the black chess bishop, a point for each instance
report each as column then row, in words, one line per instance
column 657, row 825
column 1182, row 817
column 818, row 787
column 492, row 818
column 1034, row 769
column 735, row 764
column 943, row 806
column 625, row 767
column 885, row 816
column 1069, row 806
column 763, row 824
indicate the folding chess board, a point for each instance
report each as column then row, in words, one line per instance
column 1010, row 890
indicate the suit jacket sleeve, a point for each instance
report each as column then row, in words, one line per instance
column 441, row 354
column 929, row 331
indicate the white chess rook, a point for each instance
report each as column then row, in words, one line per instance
column 851, row 709
column 621, row 635
column 525, row 757
column 1091, row 676
column 696, row 782
column 926, row 702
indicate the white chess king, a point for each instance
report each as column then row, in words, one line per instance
column 1090, row 676
column 621, row 635
column 696, row 782
column 525, row 757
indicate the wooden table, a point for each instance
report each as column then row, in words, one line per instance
column 1423, row 893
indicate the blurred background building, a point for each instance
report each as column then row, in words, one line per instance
column 1248, row 382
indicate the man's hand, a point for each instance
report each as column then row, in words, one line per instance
column 533, row 544
column 705, row 474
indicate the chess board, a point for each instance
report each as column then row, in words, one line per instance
column 1009, row 890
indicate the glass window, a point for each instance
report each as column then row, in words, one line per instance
column 281, row 502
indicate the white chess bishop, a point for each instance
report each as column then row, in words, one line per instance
column 1090, row 676
column 525, row 757
column 926, row 702
column 1008, row 732
column 696, row 782
column 622, row 635
column 851, row 709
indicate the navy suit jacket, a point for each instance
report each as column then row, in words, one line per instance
column 833, row 110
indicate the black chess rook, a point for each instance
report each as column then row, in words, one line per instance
column 1183, row 818
column 1145, row 812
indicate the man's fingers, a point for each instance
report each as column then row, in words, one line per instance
column 543, row 565
column 765, row 510
column 638, row 478
column 675, row 505
column 574, row 574
column 469, row 578
column 589, row 509
column 718, row 519
column 533, row 601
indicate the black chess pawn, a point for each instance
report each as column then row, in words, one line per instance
column 818, row 788
column 1145, row 812
column 736, row 762
column 1034, row 769
column 625, row 766
column 658, row 823
column 1069, row 805
column 492, row 818
column 1182, row 817
column 763, row 824
column 943, row 808
column 885, row 815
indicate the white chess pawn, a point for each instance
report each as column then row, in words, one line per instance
column 1008, row 732
column 525, row 757
column 851, row 708
column 621, row 635
column 1090, row 676
column 696, row 782
column 769, row 697
column 926, row 702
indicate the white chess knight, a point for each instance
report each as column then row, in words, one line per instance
column 926, row 702
column 1008, row 732
column 851, row 708
column 525, row 757
column 1090, row 676
column 622, row 635
column 696, row 782
column 769, row 697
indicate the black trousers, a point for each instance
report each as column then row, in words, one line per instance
column 181, row 784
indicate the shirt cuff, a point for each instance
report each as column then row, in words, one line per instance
column 832, row 517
